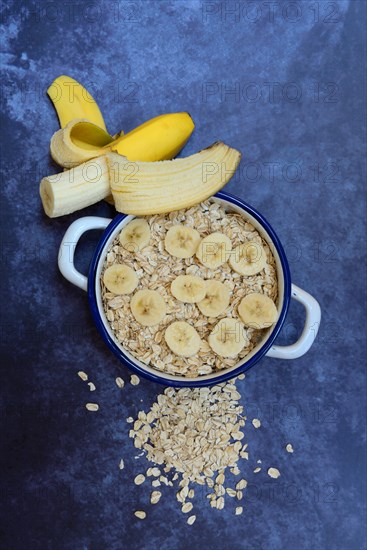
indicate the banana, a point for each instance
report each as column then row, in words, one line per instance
column 75, row 189
column 248, row 259
column 120, row 279
column 135, row 235
column 145, row 188
column 78, row 142
column 227, row 338
column 257, row 311
column 71, row 100
column 181, row 241
column 213, row 250
column 188, row 288
column 160, row 138
column 182, row 339
column 139, row 188
column 216, row 299
column 148, row 307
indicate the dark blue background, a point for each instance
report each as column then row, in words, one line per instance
column 298, row 104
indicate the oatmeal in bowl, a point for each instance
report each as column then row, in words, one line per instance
column 190, row 271
column 190, row 298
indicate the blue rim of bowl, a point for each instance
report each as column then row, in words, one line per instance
column 197, row 382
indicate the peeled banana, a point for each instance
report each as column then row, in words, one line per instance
column 75, row 189
column 214, row 249
column 257, row 311
column 227, row 338
column 160, row 138
column 182, row 241
column 182, row 339
column 148, row 307
column 71, row 100
column 135, row 236
column 144, row 188
column 120, row 279
column 140, row 188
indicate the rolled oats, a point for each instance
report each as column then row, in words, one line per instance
column 157, row 269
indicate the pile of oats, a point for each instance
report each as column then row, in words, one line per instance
column 193, row 435
column 156, row 270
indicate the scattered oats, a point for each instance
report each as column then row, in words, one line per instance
column 140, row 514
column 220, row 503
column 139, row 479
column 91, row 386
column 289, row 448
column 119, row 382
column 155, row 472
column 256, row 423
column 239, row 510
column 241, row 377
column 83, row 375
column 134, row 380
column 230, row 492
column 187, row 507
column 235, row 471
column 122, row 464
column 175, row 477
column 191, row 520
column 274, row 473
column 258, row 461
column 191, row 493
column 130, row 420
column 220, row 479
column 242, row 484
column 244, row 454
column 239, row 495
column 219, row 490
column 155, row 496
column 156, row 483
column 257, row 470
column 92, row 406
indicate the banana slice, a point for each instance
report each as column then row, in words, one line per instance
column 248, row 259
column 148, row 307
column 214, row 250
column 216, row 299
column 257, row 311
column 136, row 235
column 120, row 279
column 227, row 338
column 182, row 241
column 188, row 288
column 182, row 339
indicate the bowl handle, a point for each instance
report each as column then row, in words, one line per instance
column 68, row 246
column 312, row 324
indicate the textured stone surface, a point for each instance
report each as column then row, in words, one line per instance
column 298, row 104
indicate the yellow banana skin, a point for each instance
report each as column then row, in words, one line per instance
column 78, row 142
column 160, row 138
column 71, row 100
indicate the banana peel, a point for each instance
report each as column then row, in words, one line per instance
column 71, row 100
column 160, row 138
